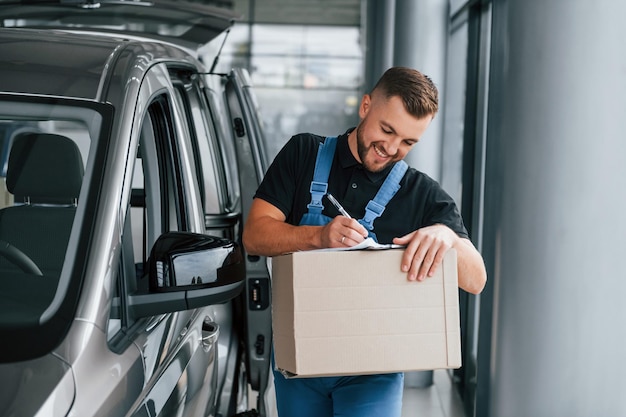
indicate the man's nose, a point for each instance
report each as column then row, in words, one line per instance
column 392, row 146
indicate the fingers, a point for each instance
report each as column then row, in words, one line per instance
column 425, row 262
column 425, row 251
column 345, row 232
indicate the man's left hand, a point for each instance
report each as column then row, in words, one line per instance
column 425, row 249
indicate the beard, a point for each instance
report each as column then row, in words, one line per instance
column 363, row 151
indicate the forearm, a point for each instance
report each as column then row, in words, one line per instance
column 270, row 237
column 471, row 268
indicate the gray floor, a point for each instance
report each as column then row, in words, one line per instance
column 437, row 400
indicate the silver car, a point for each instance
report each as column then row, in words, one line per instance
column 129, row 167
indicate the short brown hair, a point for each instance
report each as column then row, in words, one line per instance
column 418, row 92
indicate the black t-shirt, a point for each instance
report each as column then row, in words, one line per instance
column 420, row 201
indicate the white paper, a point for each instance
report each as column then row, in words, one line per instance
column 367, row 244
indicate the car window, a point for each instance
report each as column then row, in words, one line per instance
column 210, row 169
column 216, row 164
column 48, row 157
column 221, row 123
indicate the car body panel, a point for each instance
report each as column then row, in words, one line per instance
column 105, row 382
column 44, row 385
column 182, row 384
column 59, row 71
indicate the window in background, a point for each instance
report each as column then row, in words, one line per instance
column 306, row 78
column 454, row 111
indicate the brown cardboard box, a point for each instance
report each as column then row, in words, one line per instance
column 355, row 312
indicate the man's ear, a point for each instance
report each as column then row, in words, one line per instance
column 366, row 103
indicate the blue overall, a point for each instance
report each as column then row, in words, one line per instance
column 347, row 396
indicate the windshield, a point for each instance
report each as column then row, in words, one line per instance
column 46, row 151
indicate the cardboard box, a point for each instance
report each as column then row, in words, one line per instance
column 354, row 312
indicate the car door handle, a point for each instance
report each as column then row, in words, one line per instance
column 210, row 333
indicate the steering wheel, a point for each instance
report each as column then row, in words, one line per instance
column 19, row 258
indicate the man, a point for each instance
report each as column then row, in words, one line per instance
column 363, row 169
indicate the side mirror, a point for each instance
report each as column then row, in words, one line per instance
column 190, row 270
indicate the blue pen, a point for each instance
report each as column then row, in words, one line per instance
column 338, row 206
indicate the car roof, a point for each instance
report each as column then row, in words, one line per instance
column 71, row 64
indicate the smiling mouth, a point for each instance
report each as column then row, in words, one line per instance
column 379, row 151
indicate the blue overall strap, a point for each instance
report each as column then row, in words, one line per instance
column 390, row 187
column 319, row 185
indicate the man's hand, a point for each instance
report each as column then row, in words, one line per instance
column 425, row 249
column 343, row 232
column 266, row 233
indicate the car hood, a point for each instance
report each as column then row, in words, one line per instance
column 39, row 387
column 188, row 24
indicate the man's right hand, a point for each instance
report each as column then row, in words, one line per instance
column 267, row 234
column 343, row 232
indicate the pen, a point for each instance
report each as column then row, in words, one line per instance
column 339, row 206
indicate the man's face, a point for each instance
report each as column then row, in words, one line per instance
column 386, row 133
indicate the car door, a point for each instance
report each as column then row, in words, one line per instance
column 218, row 174
column 232, row 113
column 179, row 349
column 252, row 160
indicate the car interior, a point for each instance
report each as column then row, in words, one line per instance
column 44, row 175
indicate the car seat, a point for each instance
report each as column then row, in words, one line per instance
column 44, row 173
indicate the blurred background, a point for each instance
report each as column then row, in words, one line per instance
column 308, row 78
